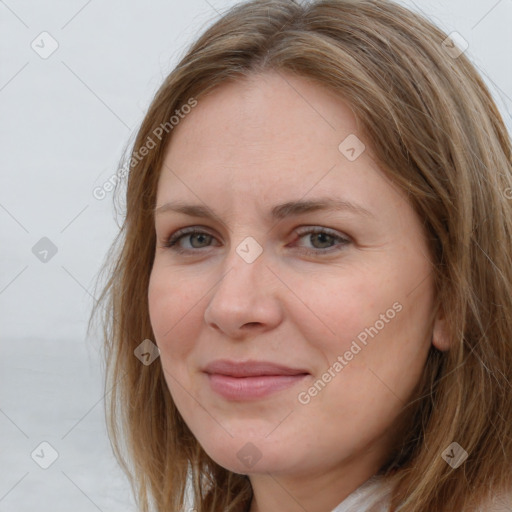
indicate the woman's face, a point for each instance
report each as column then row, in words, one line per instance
column 291, row 335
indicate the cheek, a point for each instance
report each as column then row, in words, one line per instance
column 339, row 306
column 394, row 343
column 173, row 313
column 172, row 310
column 375, row 309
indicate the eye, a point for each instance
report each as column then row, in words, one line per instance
column 189, row 234
column 323, row 240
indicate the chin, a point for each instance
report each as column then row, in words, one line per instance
column 248, row 461
column 251, row 455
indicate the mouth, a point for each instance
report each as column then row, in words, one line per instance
column 248, row 380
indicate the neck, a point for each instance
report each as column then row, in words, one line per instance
column 314, row 492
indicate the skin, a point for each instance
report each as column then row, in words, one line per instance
column 246, row 147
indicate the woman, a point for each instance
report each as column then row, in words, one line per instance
column 317, row 246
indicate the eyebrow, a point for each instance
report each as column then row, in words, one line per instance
column 278, row 212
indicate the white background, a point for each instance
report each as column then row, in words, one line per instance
column 65, row 121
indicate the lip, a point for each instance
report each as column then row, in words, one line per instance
column 246, row 380
column 250, row 368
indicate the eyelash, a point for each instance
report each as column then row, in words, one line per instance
column 172, row 241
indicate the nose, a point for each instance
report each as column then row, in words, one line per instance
column 245, row 300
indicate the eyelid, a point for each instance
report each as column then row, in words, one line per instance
column 174, row 238
column 172, row 241
column 343, row 240
column 303, row 230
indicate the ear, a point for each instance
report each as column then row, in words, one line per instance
column 440, row 338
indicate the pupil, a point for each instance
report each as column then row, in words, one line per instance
column 322, row 235
column 199, row 237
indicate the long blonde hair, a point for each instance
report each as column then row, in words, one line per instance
column 437, row 133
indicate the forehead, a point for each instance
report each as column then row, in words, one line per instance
column 275, row 107
column 273, row 137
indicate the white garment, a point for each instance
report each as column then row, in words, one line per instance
column 375, row 491
column 372, row 492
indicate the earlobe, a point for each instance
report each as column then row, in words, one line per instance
column 440, row 338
